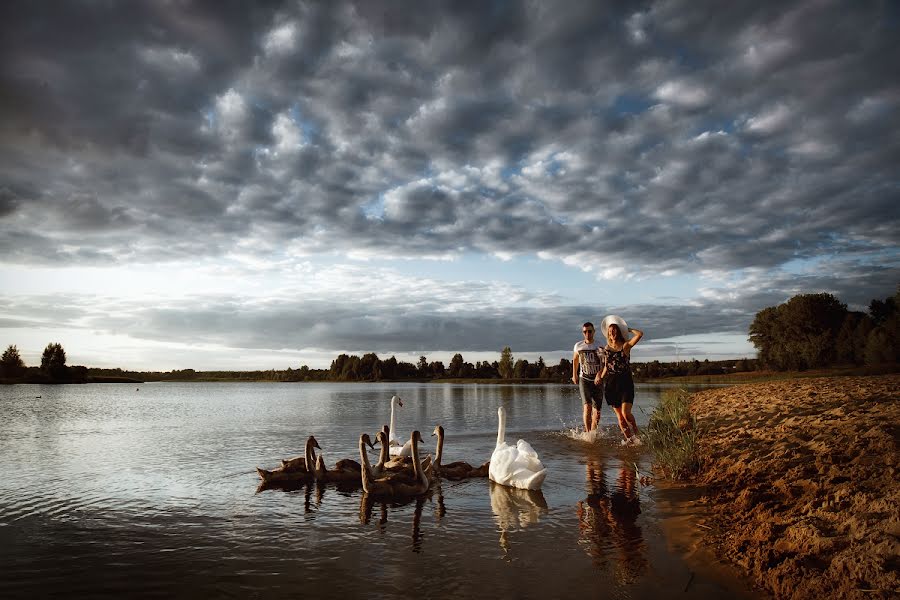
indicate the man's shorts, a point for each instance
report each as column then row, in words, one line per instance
column 590, row 393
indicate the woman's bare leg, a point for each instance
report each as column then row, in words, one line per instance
column 626, row 410
column 623, row 422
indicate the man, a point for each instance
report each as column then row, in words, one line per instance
column 587, row 363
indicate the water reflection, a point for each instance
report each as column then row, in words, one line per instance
column 608, row 522
column 293, row 487
column 515, row 509
column 367, row 503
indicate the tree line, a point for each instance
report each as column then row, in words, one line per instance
column 812, row 331
column 809, row 331
column 53, row 367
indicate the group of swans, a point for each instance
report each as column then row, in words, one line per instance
column 405, row 474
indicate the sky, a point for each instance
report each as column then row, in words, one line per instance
column 233, row 185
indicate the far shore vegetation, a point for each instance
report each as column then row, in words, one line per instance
column 809, row 335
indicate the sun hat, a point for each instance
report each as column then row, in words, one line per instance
column 615, row 320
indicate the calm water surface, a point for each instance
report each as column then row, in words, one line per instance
column 152, row 492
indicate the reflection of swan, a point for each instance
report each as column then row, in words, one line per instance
column 386, row 487
column 515, row 509
column 396, row 448
column 515, row 466
column 367, row 503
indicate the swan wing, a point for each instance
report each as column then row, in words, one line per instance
column 511, row 467
column 404, row 450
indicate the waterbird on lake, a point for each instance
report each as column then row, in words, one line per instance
column 396, row 448
column 339, row 474
column 455, row 470
column 306, row 462
column 386, row 487
column 515, row 466
column 293, row 469
column 395, row 466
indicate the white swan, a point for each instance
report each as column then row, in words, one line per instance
column 515, row 466
column 396, row 448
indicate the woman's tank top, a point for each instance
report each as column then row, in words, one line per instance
column 617, row 361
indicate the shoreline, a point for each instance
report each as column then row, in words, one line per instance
column 799, row 484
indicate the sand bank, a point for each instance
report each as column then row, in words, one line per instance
column 802, row 483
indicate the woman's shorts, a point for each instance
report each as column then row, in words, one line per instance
column 619, row 388
column 590, row 392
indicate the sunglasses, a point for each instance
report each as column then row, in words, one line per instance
column 587, row 331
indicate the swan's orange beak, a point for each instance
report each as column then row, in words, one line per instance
column 399, row 401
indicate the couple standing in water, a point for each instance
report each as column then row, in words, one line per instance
column 606, row 371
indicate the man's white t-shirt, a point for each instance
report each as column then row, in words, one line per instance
column 589, row 357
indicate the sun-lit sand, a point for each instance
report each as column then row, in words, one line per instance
column 802, row 483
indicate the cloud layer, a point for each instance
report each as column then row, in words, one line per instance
column 651, row 139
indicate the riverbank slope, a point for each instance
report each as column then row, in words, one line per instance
column 802, row 484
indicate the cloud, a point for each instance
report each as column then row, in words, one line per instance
column 638, row 140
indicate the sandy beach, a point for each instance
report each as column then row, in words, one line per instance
column 801, row 483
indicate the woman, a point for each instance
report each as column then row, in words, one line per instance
column 616, row 375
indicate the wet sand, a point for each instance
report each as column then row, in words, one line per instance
column 800, row 481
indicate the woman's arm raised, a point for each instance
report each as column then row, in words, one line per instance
column 638, row 334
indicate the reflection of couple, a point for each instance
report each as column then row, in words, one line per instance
column 607, row 521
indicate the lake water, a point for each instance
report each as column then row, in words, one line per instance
column 109, row 490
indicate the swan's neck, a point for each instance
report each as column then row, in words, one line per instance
column 310, row 456
column 366, row 467
column 439, row 452
column 501, row 430
column 320, row 467
column 391, row 430
column 417, row 468
column 384, row 453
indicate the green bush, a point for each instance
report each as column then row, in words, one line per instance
column 671, row 435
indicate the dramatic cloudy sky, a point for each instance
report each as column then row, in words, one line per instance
column 262, row 185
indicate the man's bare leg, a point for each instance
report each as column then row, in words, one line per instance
column 587, row 417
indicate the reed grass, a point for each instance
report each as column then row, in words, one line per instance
column 671, row 435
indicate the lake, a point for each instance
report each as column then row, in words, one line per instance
column 150, row 490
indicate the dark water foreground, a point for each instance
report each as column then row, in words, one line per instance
column 110, row 490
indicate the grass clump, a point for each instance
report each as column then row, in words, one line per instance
column 671, row 435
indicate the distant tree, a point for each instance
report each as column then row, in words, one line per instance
column 389, row 368
column 337, row 367
column 467, row 371
column 879, row 347
column 422, row 367
column 351, row 370
column 369, row 367
column 456, row 364
column 520, row 369
column 406, row 370
column 881, row 310
column 800, row 333
column 543, row 370
column 505, row 367
column 11, row 363
column 437, row 369
column 53, row 361
column 851, row 339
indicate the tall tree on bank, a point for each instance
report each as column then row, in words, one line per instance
column 800, row 333
column 505, row 367
column 11, row 364
column 53, row 361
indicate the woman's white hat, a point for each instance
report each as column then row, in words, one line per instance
column 615, row 320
